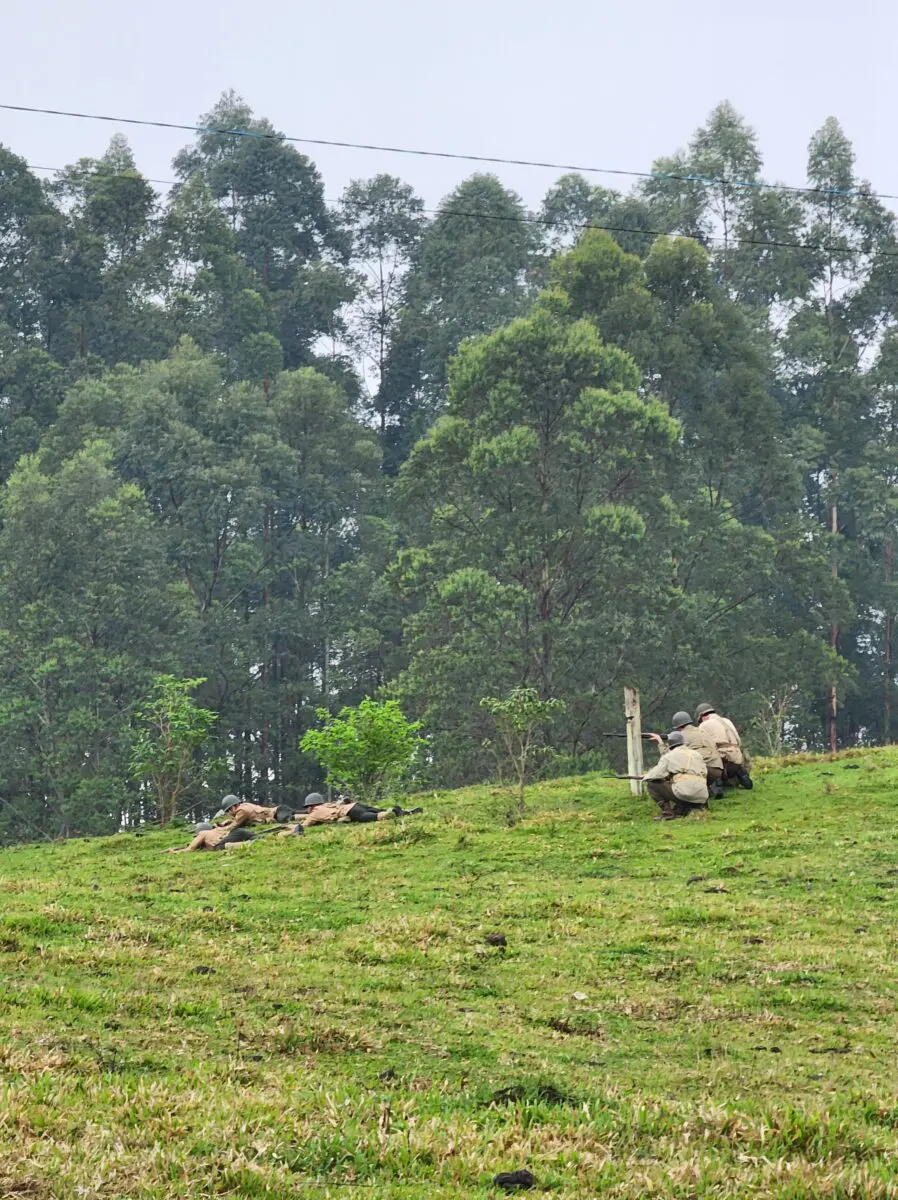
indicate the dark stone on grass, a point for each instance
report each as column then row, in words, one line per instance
column 496, row 939
column 387, row 1075
column 753, row 941
column 542, row 1093
column 696, row 879
column 717, row 890
column 851, row 766
column 514, row 1181
column 829, row 1050
column 202, row 970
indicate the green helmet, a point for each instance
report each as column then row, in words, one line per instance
column 227, row 804
column 680, row 719
column 703, row 710
column 312, row 799
column 675, row 739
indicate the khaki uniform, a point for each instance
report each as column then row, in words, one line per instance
column 327, row 814
column 210, row 838
column 221, row 838
column 698, row 739
column 725, row 737
column 679, row 782
column 251, row 814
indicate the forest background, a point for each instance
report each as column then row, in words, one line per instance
column 309, row 452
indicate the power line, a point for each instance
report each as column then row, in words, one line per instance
column 533, row 219
column 494, row 160
column 548, row 222
column 60, row 170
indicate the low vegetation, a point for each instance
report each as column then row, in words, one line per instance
column 705, row 1008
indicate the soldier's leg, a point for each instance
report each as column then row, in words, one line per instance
column 715, row 781
column 685, row 809
column 736, row 773
column 745, row 779
column 234, row 838
column 662, row 793
column 363, row 812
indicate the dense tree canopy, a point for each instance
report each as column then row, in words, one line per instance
column 307, row 452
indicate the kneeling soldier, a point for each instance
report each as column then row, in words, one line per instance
column 698, row 739
column 678, row 784
column 726, row 738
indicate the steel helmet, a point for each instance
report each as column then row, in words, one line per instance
column 703, row 710
column 675, row 739
column 227, row 804
column 680, row 719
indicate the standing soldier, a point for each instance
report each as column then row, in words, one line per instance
column 678, row 784
column 729, row 745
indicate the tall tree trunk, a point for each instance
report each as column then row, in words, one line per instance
column 887, row 648
column 326, row 649
column 834, row 641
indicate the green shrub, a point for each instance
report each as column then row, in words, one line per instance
column 368, row 751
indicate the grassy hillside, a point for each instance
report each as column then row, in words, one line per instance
column 690, row 1009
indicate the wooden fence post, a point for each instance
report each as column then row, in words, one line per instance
column 634, row 738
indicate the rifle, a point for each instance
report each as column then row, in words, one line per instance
column 646, row 737
column 639, row 777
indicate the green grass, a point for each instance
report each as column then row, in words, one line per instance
column 702, row 1008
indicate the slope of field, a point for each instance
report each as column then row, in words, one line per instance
column 690, row 1009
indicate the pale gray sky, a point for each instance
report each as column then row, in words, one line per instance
column 604, row 84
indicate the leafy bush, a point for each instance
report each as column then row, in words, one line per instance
column 168, row 750
column 367, row 751
column 521, row 718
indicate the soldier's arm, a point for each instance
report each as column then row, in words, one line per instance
column 197, row 844
column 660, row 770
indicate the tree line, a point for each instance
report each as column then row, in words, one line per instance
column 312, row 452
